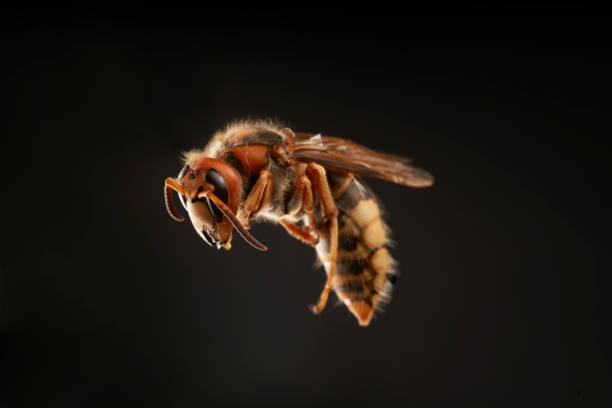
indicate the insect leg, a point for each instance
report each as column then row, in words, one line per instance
column 261, row 195
column 317, row 175
column 301, row 203
column 305, row 234
column 301, row 200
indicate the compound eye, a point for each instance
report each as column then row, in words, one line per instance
column 213, row 177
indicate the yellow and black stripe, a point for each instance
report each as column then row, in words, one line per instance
column 364, row 268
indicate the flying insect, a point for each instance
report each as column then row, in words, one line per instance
column 312, row 185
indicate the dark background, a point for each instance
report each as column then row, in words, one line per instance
column 106, row 300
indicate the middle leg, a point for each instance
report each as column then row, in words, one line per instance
column 301, row 203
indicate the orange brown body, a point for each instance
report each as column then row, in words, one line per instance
column 310, row 184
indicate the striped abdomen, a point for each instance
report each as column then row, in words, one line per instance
column 364, row 267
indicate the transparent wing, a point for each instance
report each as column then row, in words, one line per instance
column 342, row 155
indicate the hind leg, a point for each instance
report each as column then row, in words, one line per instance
column 317, row 175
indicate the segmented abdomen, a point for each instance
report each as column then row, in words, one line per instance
column 364, row 267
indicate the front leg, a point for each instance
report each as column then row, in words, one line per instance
column 260, row 197
column 317, row 175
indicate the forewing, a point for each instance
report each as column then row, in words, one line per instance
column 342, row 155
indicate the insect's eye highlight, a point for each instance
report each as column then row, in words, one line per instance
column 213, row 177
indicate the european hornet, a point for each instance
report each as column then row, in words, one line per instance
column 310, row 184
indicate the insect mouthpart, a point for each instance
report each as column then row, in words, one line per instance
column 214, row 210
column 209, row 239
column 231, row 217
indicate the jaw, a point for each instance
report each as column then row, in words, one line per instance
column 224, row 233
column 203, row 220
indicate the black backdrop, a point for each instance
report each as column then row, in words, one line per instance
column 106, row 300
